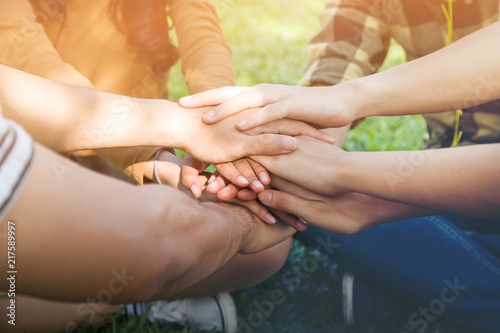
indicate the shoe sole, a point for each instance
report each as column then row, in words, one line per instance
column 227, row 310
column 347, row 298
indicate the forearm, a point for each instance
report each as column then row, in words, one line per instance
column 205, row 56
column 159, row 238
column 464, row 74
column 68, row 118
column 376, row 211
column 462, row 180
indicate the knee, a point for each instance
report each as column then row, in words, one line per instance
column 266, row 263
column 277, row 256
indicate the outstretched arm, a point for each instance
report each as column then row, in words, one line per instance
column 149, row 241
column 463, row 74
column 462, row 180
column 67, row 118
column 346, row 213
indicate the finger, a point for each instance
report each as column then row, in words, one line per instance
column 190, row 169
column 217, row 184
column 227, row 193
column 210, row 97
column 286, row 202
column 265, row 115
column 245, row 168
column 247, row 194
column 291, row 220
column 244, row 100
column 284, row 185
column 233, row 174
column 260, row 211
column 260, row 171
column 267, row 144
column 293, row 128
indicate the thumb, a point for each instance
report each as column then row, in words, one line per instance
column 269, row 144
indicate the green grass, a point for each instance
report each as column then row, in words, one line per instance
column 269, row 42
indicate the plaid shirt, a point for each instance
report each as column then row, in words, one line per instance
column 355, row 38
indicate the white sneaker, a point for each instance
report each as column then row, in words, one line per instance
column 205, row 313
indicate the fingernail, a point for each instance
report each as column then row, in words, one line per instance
column 331, row 140
column 194, row 190
column 270, row 219
column 186, row 99
column 289, row 144
column 225, row 189
column 266, row 197
column 264, row 178
column 212, row 187
column 211, row 179
column 209, row 115
column 242, row 181
column 257, row 185
column 242, row 124
column 301, row 224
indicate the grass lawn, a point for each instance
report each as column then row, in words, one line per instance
column 269, row 41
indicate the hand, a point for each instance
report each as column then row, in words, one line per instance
column 256, row 236
column 170, row 169
column 222, row 142
column 346, row 214
column 322, row 106
column 312, row 165
column 231, row 177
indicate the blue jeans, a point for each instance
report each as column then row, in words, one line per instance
column 444, row 266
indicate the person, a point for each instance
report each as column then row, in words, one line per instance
column 119, row 46
column 123, row 47
column 440, row 255
column 84, row 208
column 67, row 246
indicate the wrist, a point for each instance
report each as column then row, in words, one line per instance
column 167, row 124
column 344, row 172
column 360, row 97
column 236, row 224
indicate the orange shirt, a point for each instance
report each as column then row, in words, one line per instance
column 92, row 52
column 91, row 48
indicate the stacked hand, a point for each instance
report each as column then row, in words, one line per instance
column 170, row 171
column 310, row 104
column 303, row 179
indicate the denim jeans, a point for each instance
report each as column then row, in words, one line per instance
column 443, row 266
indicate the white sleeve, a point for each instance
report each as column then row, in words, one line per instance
column 16, row 158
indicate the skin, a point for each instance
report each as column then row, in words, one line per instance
column 73, row 249
column 170, row 169
column 439, row 181
column 407, row 183
column 401, row 90
column 54, row 179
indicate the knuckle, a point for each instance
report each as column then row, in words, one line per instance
column 281, row 200
column 277, row 110
column 266, row 142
